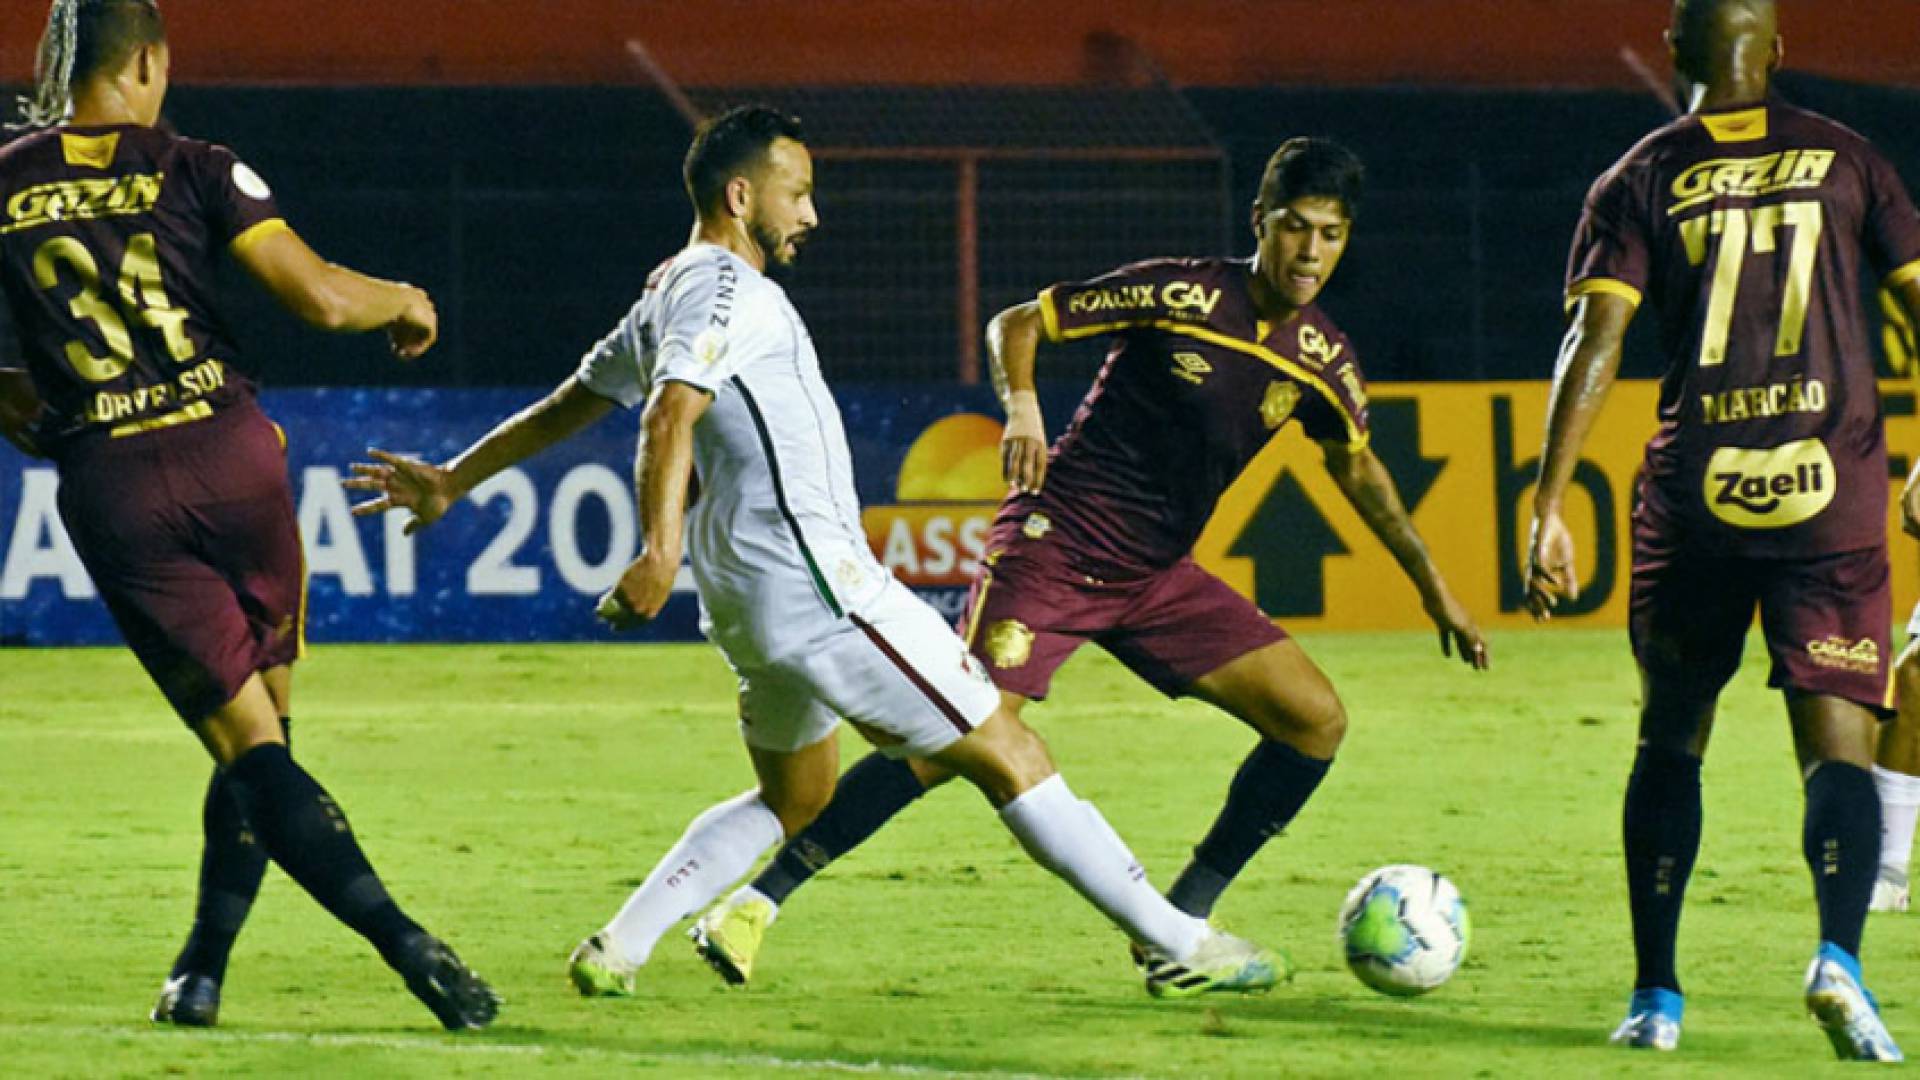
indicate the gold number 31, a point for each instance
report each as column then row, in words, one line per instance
column 143, row 299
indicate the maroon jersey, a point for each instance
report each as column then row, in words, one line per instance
column 108, row 238
column 1195, row 385
column 1746, row 229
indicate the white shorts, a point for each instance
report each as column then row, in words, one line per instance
column 894, row 667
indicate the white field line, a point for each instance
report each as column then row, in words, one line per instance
column 483, row 1046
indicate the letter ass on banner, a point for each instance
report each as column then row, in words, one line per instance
column 533, row 548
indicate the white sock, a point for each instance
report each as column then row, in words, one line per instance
column 1072, row 839
column 721, row 845
column 1899, row 809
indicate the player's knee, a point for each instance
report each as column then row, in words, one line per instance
column 1315, row 726
column 1906, row 678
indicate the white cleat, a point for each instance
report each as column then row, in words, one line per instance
column 1889, row 895
column 1845, row 1009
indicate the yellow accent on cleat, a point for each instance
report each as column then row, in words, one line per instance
column 728, row 937
column 595, row 973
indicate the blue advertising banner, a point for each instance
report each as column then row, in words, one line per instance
column 526, row 556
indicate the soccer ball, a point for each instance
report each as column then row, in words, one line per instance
column 1404, row 930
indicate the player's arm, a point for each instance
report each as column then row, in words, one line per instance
column 1589, row 360
column 331, row 297
column 1370, row 488
column 1013, row 343
column 662, row 471
column 1907, row 293
column 400, row 482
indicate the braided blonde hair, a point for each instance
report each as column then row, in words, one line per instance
column 67, row 54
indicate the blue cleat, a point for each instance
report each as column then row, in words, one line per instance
column 1840, row 1001
column 1653, row 1021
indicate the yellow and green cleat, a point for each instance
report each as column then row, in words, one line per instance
column 595, row 972
column 728, row 936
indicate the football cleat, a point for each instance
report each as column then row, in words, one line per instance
column 1222, row 964
column 1889, row 895
column 728, row 936
column 188, row 1000
column 1845, row 1008
column 458, row 998
column 595, row 972
column 1653, row 1021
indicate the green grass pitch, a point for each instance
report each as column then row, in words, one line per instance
column 513, row 796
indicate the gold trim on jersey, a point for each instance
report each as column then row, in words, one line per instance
column 89, row 151
column 1743, row 126
column 979, row 601
column 1049, row 316
column 1909, row 272
column 199, row 410
column 255, row 233
column 1355, row 437
column 1609, row 286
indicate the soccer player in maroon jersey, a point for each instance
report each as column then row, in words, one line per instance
column 173, row 483
column 1210, row 359
column 1765, row 485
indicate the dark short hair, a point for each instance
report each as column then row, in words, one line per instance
column 729, row 145
column 1309, row 165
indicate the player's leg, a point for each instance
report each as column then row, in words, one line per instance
column 1896, row 776
column 1008, row 621
column 306, row 834
column 1190, row 633
column 790, row 737
column 1688, row 622
column 232, row 865
column 1826, row 623
column 905, row 675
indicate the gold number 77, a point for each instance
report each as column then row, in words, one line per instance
column 1757, row 229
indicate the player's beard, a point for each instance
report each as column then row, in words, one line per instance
column 771, row 242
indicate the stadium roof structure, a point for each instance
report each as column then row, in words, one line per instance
column 1028, row 122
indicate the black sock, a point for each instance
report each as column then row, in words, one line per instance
column 1273, row 783
column 875, row 789
column 306, row 834
column 1842, row 845
column 231, row 866
column 1660, row 827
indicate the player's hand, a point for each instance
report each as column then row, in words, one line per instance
column 1458, row 632
column 402, row 483
column 1910, row 505
column 636, row 599
column 19, row 408
column 1023, row 445
column 1550, row 573
column 417, row 327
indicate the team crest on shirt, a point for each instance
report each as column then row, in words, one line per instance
column 1278, row 404
column 710, row 346
column 1009, row 643
column 1036, row 526
column 849, row 576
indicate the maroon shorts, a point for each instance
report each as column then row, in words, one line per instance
column 1030, row 609
column 1827, row 620
column 189, row 534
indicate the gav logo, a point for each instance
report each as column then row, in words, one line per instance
column 1770, row 489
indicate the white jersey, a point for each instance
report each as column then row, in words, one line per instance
column 775, row 537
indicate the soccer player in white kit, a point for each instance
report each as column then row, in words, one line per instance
column 815, row 628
